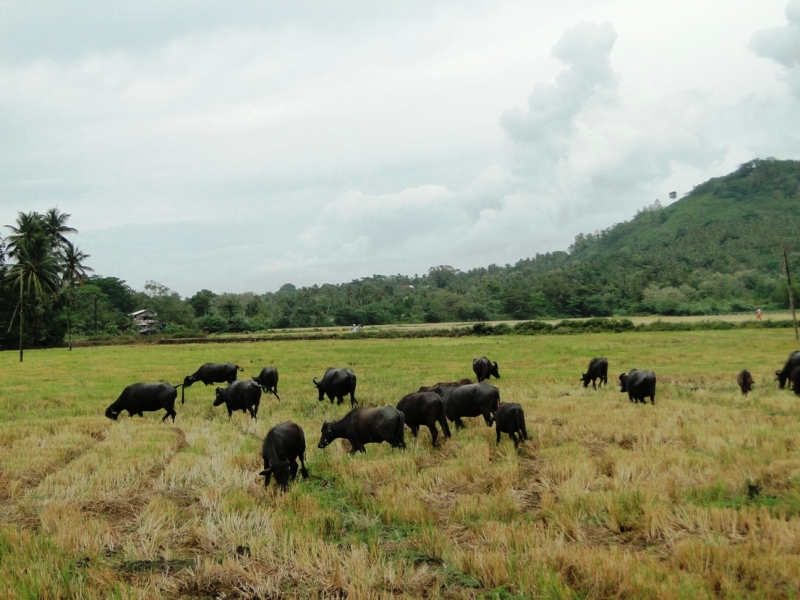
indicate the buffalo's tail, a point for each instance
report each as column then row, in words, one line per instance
column 180, row 385
column 443, row 422
column 276, row 395
column 521, row 424
column 400, row 431
column 238, row 368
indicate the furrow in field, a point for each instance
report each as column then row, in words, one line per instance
column 33, row 457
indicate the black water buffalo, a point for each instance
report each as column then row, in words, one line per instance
column 243, row 395
column 430, row 388
column 142, row 397
column 639, row 385
column 212, row 373
column 472, row 400
column 510, row 419
column 598, row 369
column 268, row 380
column 745, row 381
column 366, row 426
column 794, row 379
column 484, row 368
column 426, row 408
column 784, row 374
column 337, row 383
column 284, row 444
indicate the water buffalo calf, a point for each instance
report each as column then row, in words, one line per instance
column 484, row 368
column 784, row 374
column 366, row 426
column 337, row 383
column 639, row 385
column 243, row 395
column 268, row 380
column 426, row 408
column 212, row 373
column 598, row 369
column 745, row 381
column 143, row 397
column 284, row 444
column 510, row 419
column 471, row 400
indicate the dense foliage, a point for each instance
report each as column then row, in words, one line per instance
column 717, row 250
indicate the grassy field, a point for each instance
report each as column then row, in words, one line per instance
column 697, row 496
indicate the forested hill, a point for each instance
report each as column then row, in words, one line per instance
column 716, row 250
column 729, row 224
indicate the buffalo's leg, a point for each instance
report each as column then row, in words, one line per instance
column 303, row 470
column 434, row 433
column 267, row 477
column 498, row 437
column 459, row 423
column 353, row 401
column 488, row 418
column 293, row 469
column 514, row 439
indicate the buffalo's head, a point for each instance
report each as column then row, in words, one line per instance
column 494, row 371
column 623, row 380
column 111, row 413
column 220, row 397
column 585, row 379
column 280, row 469
column 327, row 435
column 188, row 381
column 780, row 378
column 319, row 388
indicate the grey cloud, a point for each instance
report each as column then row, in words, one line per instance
column 782, row 44
column 548, row 121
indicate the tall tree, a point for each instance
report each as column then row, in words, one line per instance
column 35, row 272
column 73, row 273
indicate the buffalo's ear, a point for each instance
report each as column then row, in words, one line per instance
column 324, row 426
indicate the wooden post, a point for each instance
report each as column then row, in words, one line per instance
column 791, row 295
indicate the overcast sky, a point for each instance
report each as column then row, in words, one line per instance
column 240, row 146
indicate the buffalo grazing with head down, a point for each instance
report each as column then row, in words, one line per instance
column 284, row 444
column 337, row 383
column 639, row 385
column 510, row 419
column 212, row 373
column 243, row 395
column 598, row 369
column 366, row 426
column 784, row 374
column 268, row 380
column 745, row 381
column 424, row 408
column 470, row 400
column 484, row 368
column 138, row 398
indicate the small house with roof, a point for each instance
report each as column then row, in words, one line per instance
column 145, row 321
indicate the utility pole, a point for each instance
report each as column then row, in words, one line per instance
column 95, row 315
column 791, row 295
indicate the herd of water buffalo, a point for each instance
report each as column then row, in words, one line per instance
column 428, row 406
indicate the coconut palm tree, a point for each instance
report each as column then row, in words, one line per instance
column 73, row 272
column 54, row 225
column 35, row 271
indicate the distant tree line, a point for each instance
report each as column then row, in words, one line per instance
column 715, row 251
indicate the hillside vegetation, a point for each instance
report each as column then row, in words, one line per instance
column 717, row 250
